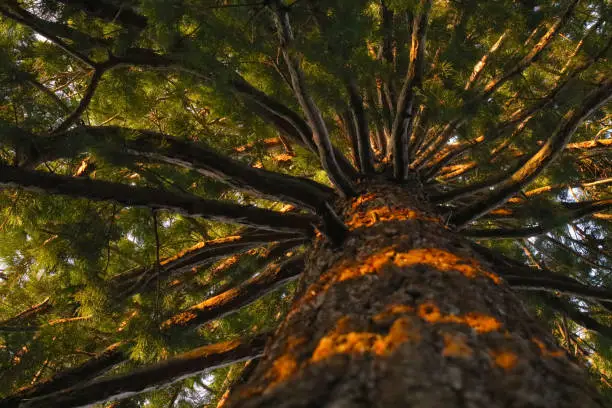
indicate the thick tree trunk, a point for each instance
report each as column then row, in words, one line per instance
column 406, row 314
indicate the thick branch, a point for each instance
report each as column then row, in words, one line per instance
column 154, row 198
column 539, row 161
column 194, row 156
column 215, row 307
column 510, row 268
column 154, row 376
column 404, row 116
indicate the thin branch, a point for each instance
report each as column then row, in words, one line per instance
column 406, row 108
column 494, row 84
column 203, row 253
column 533, row 54
column 579, row 317
column 24, row 17
column 586, row 208
column 313, row 114
column 539, row 161
column 156, row 199
column 89, row 93
column 122, row 15
column 154, row 376
column 552, row 285
column 32, row 311
column 480, row 65
column 364, row 150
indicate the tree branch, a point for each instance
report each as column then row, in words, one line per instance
column 313, row 114
column 155, row 198
column 154, row 376
column 539, row 161
column 94, row 367
column 494, row 84
column 364, row 150
column 543, row 227
column 229, row 301
column 533, row 54
column 406, row 109
column 583, row 319
column 48, row 30
column 89, row 93
column 28, row 313
column 203, row 253
column 480, row 65
column 108, row 12
column 548, row 284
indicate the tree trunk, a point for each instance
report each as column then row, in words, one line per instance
column 406, row 314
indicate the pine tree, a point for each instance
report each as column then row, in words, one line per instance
column 305, row 204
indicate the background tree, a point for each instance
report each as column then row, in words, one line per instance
column 168, row 168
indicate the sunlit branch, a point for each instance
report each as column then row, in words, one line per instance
column 554, row 188
column 229, row 301
column 154, row 376
column 589, row 145
column 310, row 109
column 544, row 226
column 481, row 64
column 539, row 161
column 406, row 108
column 30, row 312
column 494, row 84
column 201, row 254
column 155, row 198
column 534, row 53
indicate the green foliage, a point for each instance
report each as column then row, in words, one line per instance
column 70, row 250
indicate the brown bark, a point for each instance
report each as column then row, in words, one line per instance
column 408, row 314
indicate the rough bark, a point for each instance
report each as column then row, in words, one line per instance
column 408, row 314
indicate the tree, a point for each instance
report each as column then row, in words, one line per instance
column 374, row 203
